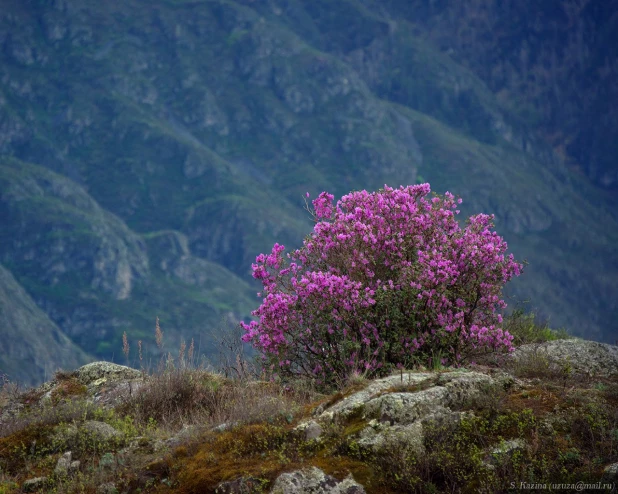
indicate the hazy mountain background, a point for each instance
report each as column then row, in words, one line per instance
column 150, row 150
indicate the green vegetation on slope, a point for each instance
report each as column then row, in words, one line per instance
column 32, row 347
column 211, row 119
column 94, row 276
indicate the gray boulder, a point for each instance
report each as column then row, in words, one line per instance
column 65, row 465
column 107, row 488
column 35, row 484
column 105, row 384
column 109, row 383
column 310, row 430
column 100, row 431
column 314, row 481
column 92, row 431
column 575, row 356
column 98, row 373
column 242, row 485
column 379, row 437
column 506, row 448
column 350, row 404
column 396, row 409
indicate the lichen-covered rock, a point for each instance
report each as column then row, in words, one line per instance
column 407, row 407
column 350, row 404
column 35, row 484
column 100, row 430
column 98, row 373
column 403, row 399
column 108, row 383
column 497, row 454
column 103, row 383
column 74, row 436
column 107, row 488
column 379, row 437
column 508, row 446
column 63, row 465
column 575, row 356
column 397, row 407
column 314, row 481
column 242, row 485
column 311, row 430
column 610, row 473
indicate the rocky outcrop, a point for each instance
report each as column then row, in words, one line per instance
column 34, row 484
column 102, row 383
column 310, row 430
column 66, row 465
column 574, row 356
column 392, row 411
column 405, row 417
column 105, row 373
column 314, row 481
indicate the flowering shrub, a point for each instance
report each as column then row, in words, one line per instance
column 386, row 279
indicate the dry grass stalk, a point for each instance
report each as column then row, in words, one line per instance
column 158, row 335
column 181, row 354
column 191, row 351
column 125, row 345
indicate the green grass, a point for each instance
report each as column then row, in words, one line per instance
column 526, row 328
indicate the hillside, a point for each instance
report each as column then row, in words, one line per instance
column 149, row 153
column 32, row 347
column 93, row 275
column 545, row 416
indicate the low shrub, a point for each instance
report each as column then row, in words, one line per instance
column 528, row 328
column 386, row 279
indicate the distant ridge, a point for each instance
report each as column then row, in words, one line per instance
column 32, row 347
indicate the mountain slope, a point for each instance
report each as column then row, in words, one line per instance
column 92, row 274
column 32, row 347
column 570, row 244
column 552, row 64
column 150, row 153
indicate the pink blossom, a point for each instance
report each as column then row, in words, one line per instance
column 324, row 311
